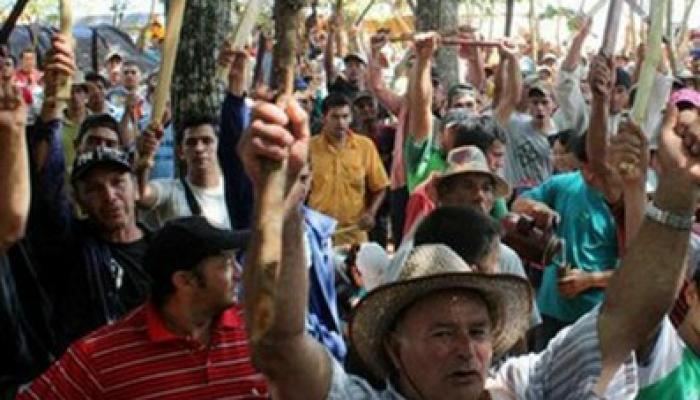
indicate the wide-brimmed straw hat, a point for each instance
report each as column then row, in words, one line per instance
column 435, row 268
column 471, row 160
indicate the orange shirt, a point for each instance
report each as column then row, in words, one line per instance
column 343, row 180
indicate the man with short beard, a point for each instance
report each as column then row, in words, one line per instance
column 93, row 267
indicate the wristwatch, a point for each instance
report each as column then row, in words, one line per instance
column 672, row 220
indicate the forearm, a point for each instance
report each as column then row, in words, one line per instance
column 642, row 290
column 509, row 98
column 286, row 353
column 573, row 57
column 329, row 57
column 14, row 185
column 420, row 107
column 147, row 195
column 635, row 199
column 390, row 100
column 476, row 75
column 597, row 138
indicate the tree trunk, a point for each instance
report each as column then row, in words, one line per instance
column 195, row 90
column 441, row 15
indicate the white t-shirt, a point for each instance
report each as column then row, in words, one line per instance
column 171, row 202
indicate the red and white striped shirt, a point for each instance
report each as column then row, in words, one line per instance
column 138, row 358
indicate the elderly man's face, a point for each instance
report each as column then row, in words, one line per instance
column 442, row 347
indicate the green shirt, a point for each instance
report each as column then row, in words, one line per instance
column 673, row 371
column 422, row 158
column 589, row 228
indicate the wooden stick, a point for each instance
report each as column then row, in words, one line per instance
column 364, row 12
column 268, row 219
column 165, row 75
column 242, row 33
column 167, row 64
column 448, row 41
column 607, row 49
column 651, row 62
column 64, row 84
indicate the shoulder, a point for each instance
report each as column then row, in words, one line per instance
column 363, row 141
column 346, row 386
column 129, row 329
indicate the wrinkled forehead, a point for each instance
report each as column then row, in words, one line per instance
column 450, row 306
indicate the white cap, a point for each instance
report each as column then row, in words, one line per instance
column 372, row 262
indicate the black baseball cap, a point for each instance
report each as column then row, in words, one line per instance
column 100, row 157
column 183, row 243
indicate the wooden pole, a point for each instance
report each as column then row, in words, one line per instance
column 11, row 21
column 651, row 62
column 607, row 49
column 671, row 48
column 533, row 31
column 268, row 219
column 684, row 25
column 65, row 82
column 176, row 13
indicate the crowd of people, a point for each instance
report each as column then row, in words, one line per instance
column 513, row 235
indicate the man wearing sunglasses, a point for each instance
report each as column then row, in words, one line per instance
column 188, row 340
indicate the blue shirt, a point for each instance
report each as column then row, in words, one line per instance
column 588, row 226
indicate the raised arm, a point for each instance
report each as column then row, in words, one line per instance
column 601, row 78
column 476, row 74
column 386, row 96
column 572, row 111
column 14, row 167
column 573, row 56
column 235, row 118
column 512, row 88
column 289, row 357
column 148, row 144
column 329, row 55
column 644, row 288
column 50, row 208
column 629, row 154
column 420, row 114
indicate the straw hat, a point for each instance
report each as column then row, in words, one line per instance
column 471, row 160
column 429, row 269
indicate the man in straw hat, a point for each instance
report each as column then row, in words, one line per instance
column 433, row 332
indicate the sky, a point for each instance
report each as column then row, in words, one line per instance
column 96, row 7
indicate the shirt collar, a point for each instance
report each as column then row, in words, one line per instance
column 349, row 143
column 158, row 332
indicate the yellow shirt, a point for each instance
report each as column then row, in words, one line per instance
column 343, row 180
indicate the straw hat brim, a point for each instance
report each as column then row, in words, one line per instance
column 508, row 297
column 501, row 187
